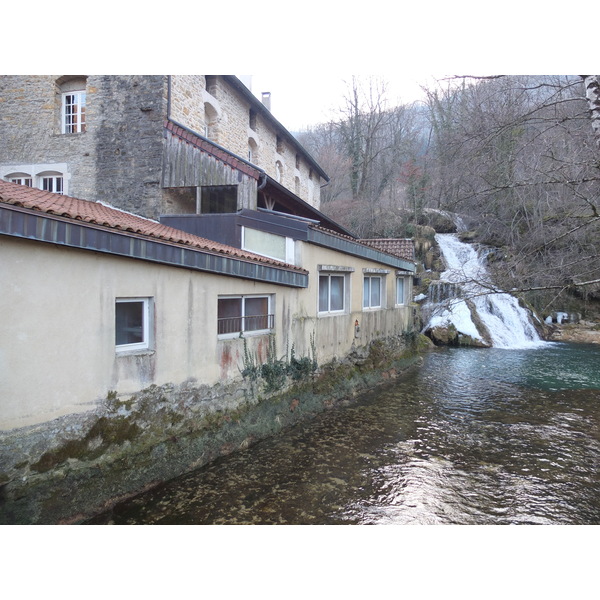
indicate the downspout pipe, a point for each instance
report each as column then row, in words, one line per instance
column 262, row 184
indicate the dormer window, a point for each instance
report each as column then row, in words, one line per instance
column 21, row 179
column 51, row 182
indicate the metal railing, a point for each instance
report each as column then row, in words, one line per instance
column 249, row 323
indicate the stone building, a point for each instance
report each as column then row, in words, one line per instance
column 163, row 258
column 110, row 138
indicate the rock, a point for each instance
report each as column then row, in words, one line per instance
column 450, row 336
column 584, row 332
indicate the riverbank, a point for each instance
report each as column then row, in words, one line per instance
column 472, row 437
column 166, row 431
column 584, row 332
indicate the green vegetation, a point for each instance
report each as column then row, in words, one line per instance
column 275, row 371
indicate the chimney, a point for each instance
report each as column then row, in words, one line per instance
column 266, row 100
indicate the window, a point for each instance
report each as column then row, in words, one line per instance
column 279, row 171
column 400, row 298
column 211, row 118
column 372, row 292
column 252, row 120
column 21, row 179
column 132, row 324
column 73, row 112
column 252, row 151
column 218, row 199
column 211, row 84
column 279, row 144
column 51, row 182
column 237, row 314
column 332, row 291
column 268, row 244
column 297, row 161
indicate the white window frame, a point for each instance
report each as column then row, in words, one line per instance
column 24, row 179
column 146, row 343
column 290, row 248
column 51, row 183
column 36, row 173
column 243, row 297
column 330, row 271
column 401, row 301
column 80, row 125
column 367, row 295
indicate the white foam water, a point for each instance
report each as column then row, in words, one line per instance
column 509, row 325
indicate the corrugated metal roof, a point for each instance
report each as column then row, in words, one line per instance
column 105, row 216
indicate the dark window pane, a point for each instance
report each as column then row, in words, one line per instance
column 323, row 293
column 219, row 199
column 337, row 293
column 375, row 291
column 129, row 323
column 257, row 310
column 229, row 314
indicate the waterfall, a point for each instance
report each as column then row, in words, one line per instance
column 465, row 285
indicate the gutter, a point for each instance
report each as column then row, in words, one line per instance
column 41, row 227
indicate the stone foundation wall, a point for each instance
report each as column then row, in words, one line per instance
column 76, row 466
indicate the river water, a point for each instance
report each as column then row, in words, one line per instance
column 474, row 436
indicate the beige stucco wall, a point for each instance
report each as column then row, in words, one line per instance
column 230, row 129
column 335, row 334
column 57, row 337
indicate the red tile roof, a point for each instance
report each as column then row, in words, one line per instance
column 103, row 215
column 404, row 248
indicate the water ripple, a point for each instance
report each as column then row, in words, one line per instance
column 474, row 437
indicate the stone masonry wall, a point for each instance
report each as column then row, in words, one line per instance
column 232, row 131
column 187, row 101
column 116, row 160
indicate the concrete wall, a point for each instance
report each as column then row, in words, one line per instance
column 58, row 347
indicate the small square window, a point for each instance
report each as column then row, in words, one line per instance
column 132, row 324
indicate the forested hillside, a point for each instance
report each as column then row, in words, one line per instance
column 516, row 156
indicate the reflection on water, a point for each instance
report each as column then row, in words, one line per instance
column 474, row 437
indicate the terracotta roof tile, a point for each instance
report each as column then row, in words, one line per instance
column 404, row 248
column 103, row 215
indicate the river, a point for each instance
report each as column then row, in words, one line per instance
column 474, row 436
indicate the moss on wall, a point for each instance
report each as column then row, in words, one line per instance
column 78, row 466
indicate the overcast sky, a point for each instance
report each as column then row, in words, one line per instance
column 299, row 102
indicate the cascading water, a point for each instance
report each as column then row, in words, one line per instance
column 508, row 325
